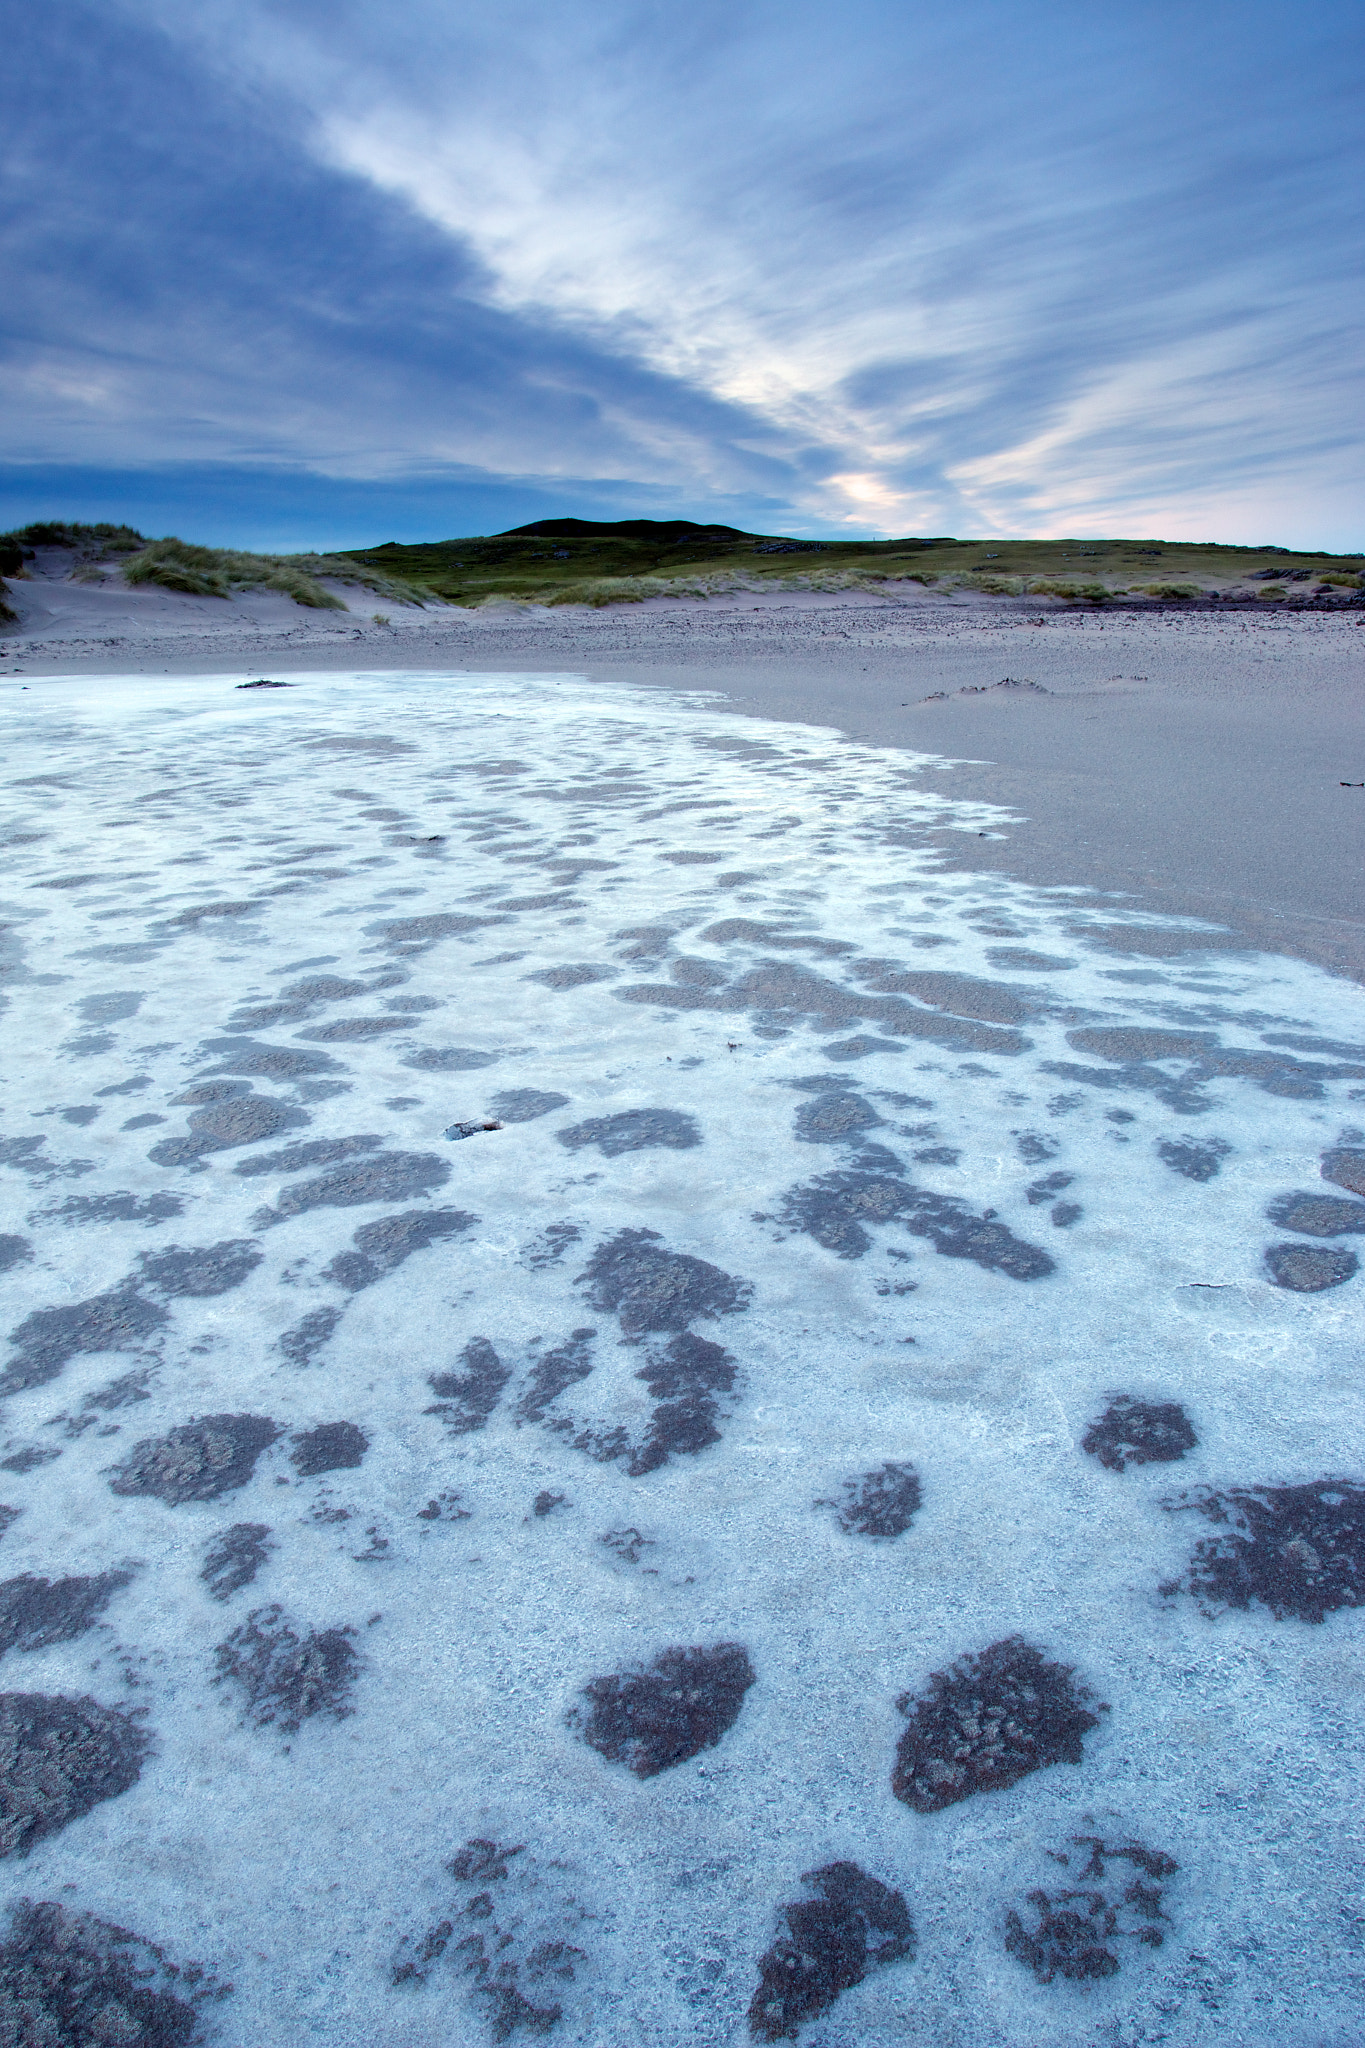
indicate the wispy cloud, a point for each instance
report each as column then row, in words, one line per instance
column 1008, row 270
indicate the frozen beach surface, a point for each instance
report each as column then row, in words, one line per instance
column 633, row 1413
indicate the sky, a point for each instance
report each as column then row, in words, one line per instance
column 287, row 274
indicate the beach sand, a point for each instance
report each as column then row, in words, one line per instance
column 601, row 1291
column 1199, row 763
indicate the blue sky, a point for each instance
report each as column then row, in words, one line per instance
column 296, row 274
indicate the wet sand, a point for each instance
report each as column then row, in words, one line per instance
column 1189, row 764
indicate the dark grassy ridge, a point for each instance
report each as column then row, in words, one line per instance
column 567, row 561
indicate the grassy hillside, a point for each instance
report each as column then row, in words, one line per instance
column 579, row 561
column 574, row 561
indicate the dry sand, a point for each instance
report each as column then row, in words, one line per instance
column 1197, row 764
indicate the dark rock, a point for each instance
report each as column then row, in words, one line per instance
column 1139, row 1433
column 859, row 1047
column 554, row 1372
column 1318, row 1215
column 987, row 1722
column 68, row 1980
column 1345, row 1166
column 1123, row 1042
column 833, row 1208
column 683, row 1703
column 1076, row 1933
column 200, row 1270
column 1196, row 1158
column 633, row 1130
column 835, row 1119
column 47, row 1339
column 331, row 1447
column 627, row 1544
column 35, row 1613
column 197, row 1460
column 467, row 1399
column 300, row 1344
column 650, row 1288
column 524, row 1105
column 1305, row 1269
column 233, row 1559
column 387, row 1177
column 446, row 1507
column 787, row 994
column 285, row 1678
column 220, row 1126
column 1299, row 1550
column 881, row 1503
column 382, row 1246
column 851, row 1925
column 314, row 1152
column 59, row 1758
column 409, row 933
column 111, row 1009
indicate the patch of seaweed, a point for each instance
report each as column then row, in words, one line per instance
column 1139, row 1433
column 849, row 1924
column 650, row 1288
column 681, row 1703
column 68, row 1980
column 1298, row 1550
column 196, row 1460
column 988, row 1721
column 880, row 1504
column 285, row 1679
column 1076, row 1933
column 59, row 1758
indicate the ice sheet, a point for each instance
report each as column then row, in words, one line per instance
column 359, row 1035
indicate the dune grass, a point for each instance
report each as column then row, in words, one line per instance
column 198, row 571
column 217, row 572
